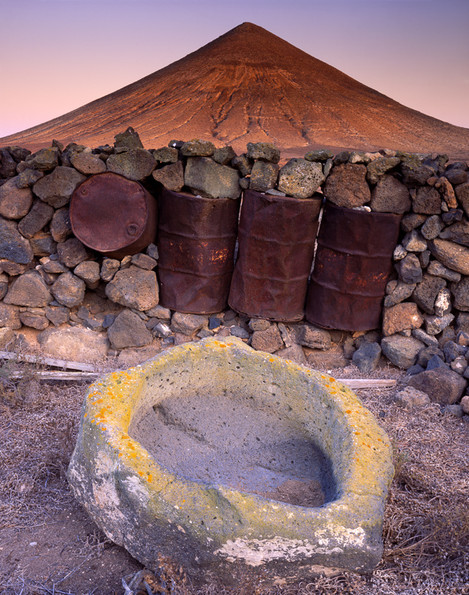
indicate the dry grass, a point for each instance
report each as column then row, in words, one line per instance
column 426, row 528
column 37, row 439
column 426, row 525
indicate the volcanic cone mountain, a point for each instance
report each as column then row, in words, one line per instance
column 248, row 86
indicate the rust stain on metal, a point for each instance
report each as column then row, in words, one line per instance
column 352, row 267
column 196, row 243
column 276, row 244
column 113, row 215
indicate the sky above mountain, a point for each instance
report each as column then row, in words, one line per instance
column 57, row 55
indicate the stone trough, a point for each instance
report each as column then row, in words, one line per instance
column 233, row 465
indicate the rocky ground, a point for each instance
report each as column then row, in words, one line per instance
column 48, row 545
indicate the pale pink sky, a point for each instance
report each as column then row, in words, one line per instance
column 56, row 55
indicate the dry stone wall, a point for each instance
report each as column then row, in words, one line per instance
column 50, row 281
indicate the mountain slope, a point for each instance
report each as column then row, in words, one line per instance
column 250, row 85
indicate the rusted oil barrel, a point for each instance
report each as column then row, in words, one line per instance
column 276, row 244
column 113, row 215
column 196, row 243
column 352, row 266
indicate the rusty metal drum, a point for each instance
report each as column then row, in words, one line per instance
column 196, row 244
column 276, row 245
column 352, row 266
column 113, row 215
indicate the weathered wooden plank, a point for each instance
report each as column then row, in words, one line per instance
column 47, row 361
column 55, row 375
column 357, row 383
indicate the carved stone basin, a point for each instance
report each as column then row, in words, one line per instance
column 233, row 464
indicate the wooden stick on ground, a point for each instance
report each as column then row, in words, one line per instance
column 56, row 375
column 47, row 361
column 368, row 382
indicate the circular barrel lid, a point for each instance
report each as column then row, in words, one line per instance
column 109, row 212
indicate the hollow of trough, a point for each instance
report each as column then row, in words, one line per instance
column 241, row 440
column 233, row 465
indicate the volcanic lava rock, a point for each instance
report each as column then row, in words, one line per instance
column 451, row 255
column 346, row 186
column 400, row 291
column 435, row 324
column 390, row 196
column 427, row 291
column 441, row 384
column 13, row 246
column 34, row 318
column 410, row 398
column 367, row 356
column 263, row 176
column 414, row 242
column 409, row 269
column 400, row 317
column 28, row 177
column 401, row 351
column 224, row 155
column 39, row 216
column 28, row 290
column 171, row 176
column 57, row 187
column 128, row 330
column 134, row 164
column 134, row 288
column 432, row 227
column 72, row 252
column 87, row 163
column 166, row 155
column 109, row 268
column 60, row 226
column 197, row 148
column 263, row 151
column 43, row 160
column 188, row 324
column 461, row 295
column 269, row 340
column 242, row 164
column 314, row 337
column 9, row 317
column 211, row 179
column 427, row 201
column 7, row 164
column 414, row 172
column 378, row 167
column 14, row 202
column 57, row 314
column 89, row 271
column 129, row 139
column 300, row 178
column 458, row 232
column 69, row 290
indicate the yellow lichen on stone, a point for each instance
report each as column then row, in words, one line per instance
column 229, row 521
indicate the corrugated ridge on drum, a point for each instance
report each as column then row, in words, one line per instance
column 352, row 267
column 196, row 243
column 276, row 245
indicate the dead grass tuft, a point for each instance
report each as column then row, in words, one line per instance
column 37, row 439
column 426, row 525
